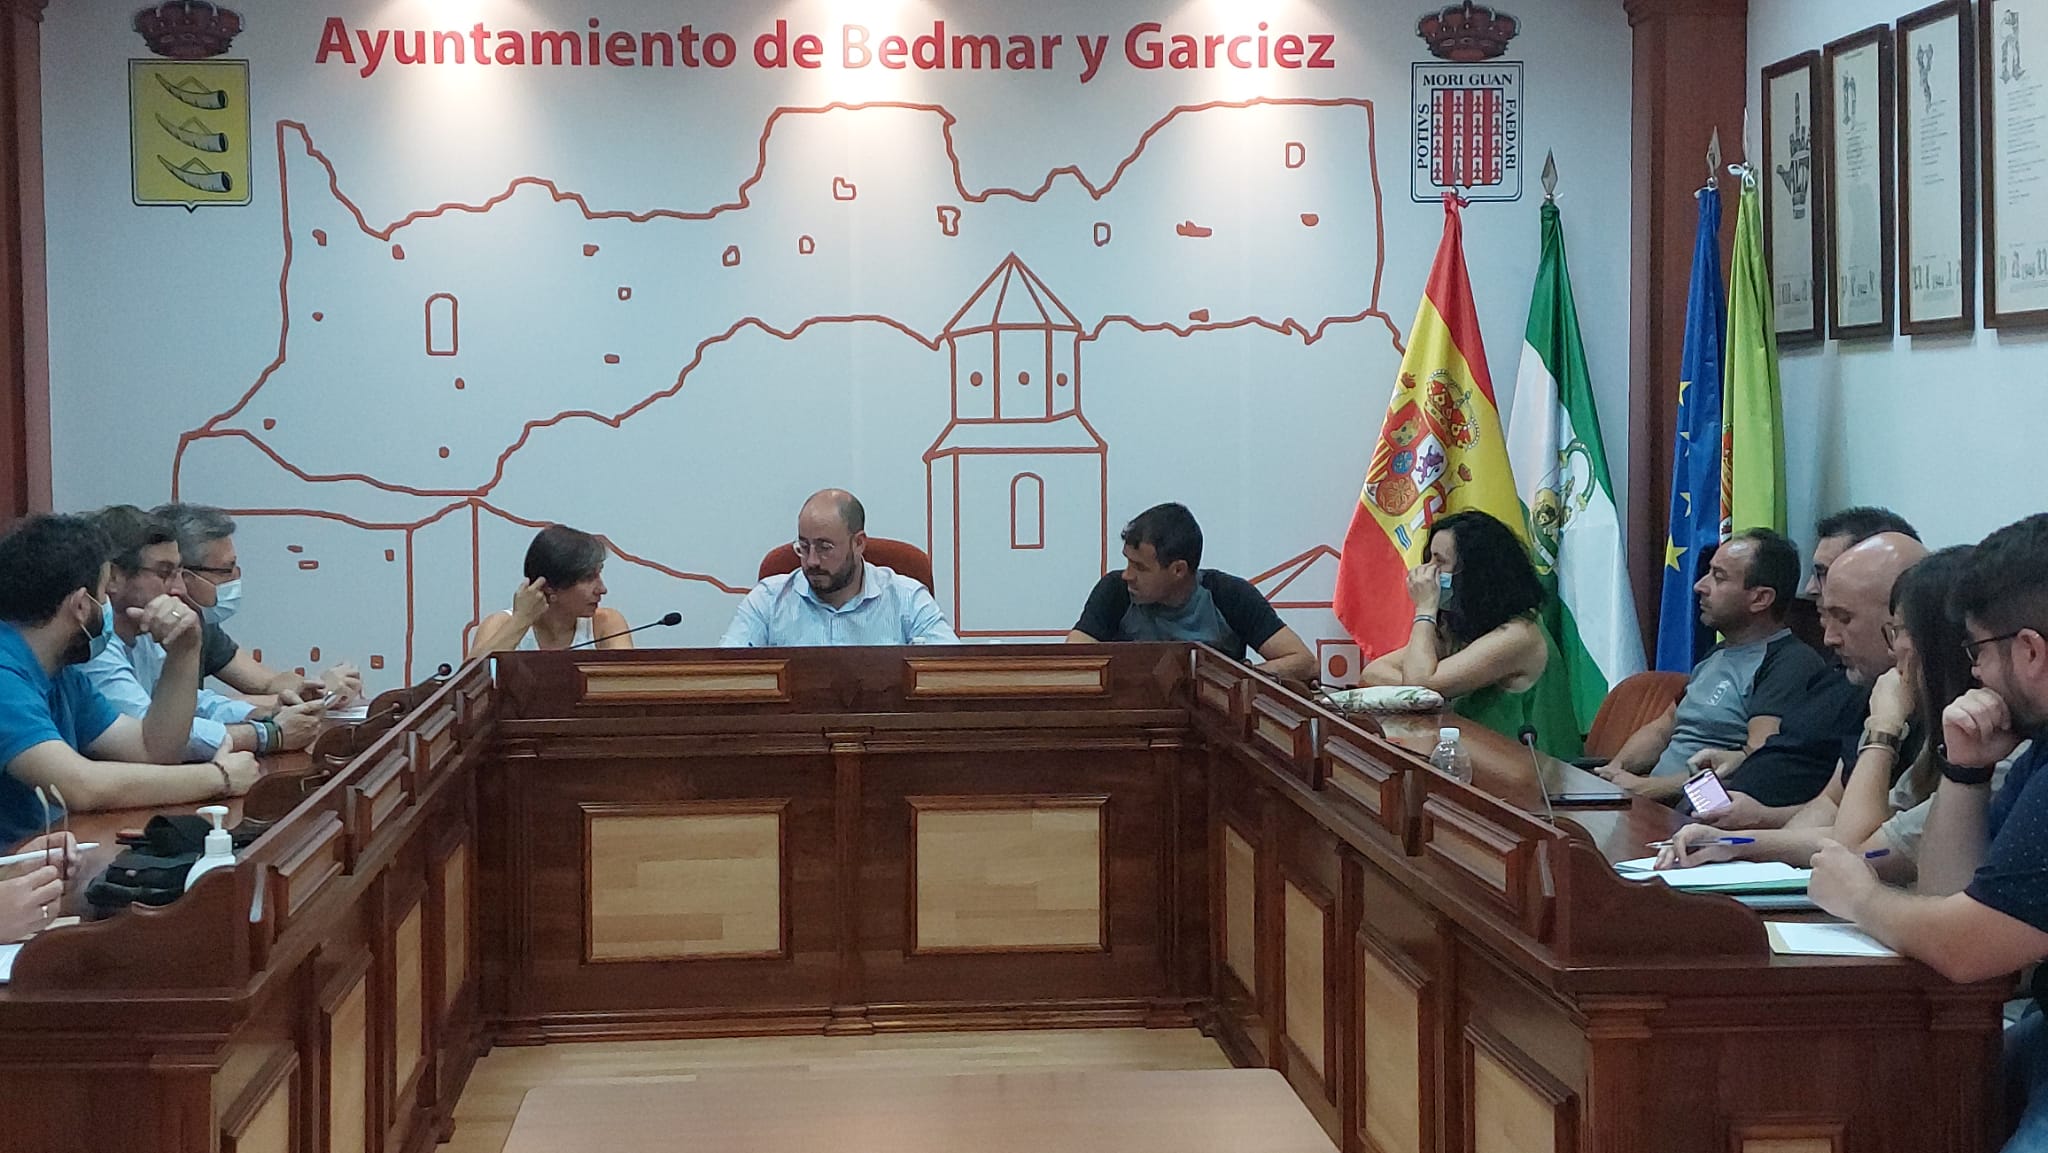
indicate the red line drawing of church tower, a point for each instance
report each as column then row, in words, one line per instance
column 1017, row 486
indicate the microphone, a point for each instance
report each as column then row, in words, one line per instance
column 1528, row 738
column 665, row 622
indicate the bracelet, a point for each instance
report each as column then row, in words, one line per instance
column 1962, row 774
column 1880, row 739
column 262, row 736
column 1420, row 617
column 274, row 736
column 227, row 783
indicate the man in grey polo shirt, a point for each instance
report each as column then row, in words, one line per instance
column 1739, row 693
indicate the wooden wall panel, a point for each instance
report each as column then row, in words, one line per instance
column 1240, row 909
column 1513, row 1106
column 676, row 882
column 408, row 1008
column 347, row 1062
column 268, row 1127
column 454, row 926
column 1307, row 930
column 997, row 874
column 1390, row 1039
column 265, row 1119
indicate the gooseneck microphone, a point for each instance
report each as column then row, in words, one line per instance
column 670, row 620
column 1528, row 738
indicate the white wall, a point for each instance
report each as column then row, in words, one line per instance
column 1944, row 429
column 354, row 450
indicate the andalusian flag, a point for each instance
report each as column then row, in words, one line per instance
column 1753, row 428
column 1567, row 499
column 1439, row 451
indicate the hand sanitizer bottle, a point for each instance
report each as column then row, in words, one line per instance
column 220, row 848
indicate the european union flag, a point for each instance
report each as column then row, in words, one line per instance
column 1696, row 455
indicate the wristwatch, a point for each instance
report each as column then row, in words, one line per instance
column 1962, row 774
column 1880, row 739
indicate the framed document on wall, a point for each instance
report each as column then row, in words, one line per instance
column 1856, row 92
column 2012, row 45
column 1938, row 170
column 1792, row 196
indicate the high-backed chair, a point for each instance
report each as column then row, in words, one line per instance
column 900, row 555
column 1630, row 705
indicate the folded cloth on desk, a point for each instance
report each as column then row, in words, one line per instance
column 1722, row 876
column 1387, row 699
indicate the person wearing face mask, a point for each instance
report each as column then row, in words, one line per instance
column 836, row 597
column 55, row 728
column 1476, row 639
column 213, row 586
column 145, row 567
column 557, row 607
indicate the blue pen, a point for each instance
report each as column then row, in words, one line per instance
column 1702, row 844
column 1874, row 854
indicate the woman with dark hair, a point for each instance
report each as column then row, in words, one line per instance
column 557, row 607
column 1475, row 638
column 1889, row 787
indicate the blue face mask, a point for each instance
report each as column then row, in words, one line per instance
column 1443, row 581
column 100, row 639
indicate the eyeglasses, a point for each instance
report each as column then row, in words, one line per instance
column 164, row 572
column 214, row 576
column 822, row 550
column 1972, row 648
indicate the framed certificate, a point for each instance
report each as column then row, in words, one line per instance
column 1857, row 112
column 1792, row 197
column 2012, row 45
column 1938, row 170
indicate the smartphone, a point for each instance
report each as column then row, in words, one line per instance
column 1706, row 793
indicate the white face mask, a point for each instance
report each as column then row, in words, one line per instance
column 227, row 597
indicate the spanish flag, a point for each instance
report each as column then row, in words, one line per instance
column 1440, row 451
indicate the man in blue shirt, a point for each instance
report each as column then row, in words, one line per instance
column 836, row 597
column 55, row 729
column 147, row 564
column 1982, row 906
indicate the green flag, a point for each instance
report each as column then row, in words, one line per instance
column 1561, row 476
column 1752, row 422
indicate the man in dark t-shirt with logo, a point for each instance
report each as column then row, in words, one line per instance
column 1163, row 594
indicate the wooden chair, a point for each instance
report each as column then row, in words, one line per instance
column 899, row 555
column 1630, row 705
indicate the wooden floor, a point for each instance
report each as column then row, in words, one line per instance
column 483, row 1118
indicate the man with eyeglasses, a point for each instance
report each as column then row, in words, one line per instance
column 56, row 731
column 213, row 586
column 1981, row 906
column 145, row 569
column 835, row 597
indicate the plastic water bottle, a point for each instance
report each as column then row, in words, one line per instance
column 1450, row 756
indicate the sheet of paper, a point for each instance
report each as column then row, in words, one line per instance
column 1717, row 875
column 7, row 953
column 1800, row 938
column 359, row 712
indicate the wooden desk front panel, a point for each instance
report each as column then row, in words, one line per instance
column 1451, row 1029
column 336, row 1021
column 1014, row 840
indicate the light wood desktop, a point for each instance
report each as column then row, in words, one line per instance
column 1091, row 1111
